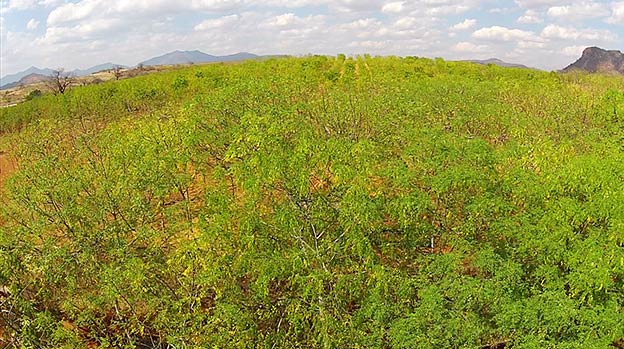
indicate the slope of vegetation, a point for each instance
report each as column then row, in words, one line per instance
column 317, row 203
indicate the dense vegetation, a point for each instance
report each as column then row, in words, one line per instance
column 317, row 203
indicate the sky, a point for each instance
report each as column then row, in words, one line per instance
column 546, row 34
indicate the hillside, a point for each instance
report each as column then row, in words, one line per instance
column 597, row 60
column 318, row 202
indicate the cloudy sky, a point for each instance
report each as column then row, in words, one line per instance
column 546, row 34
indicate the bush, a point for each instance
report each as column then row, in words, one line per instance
column 180, row 83
column 305, row 203
column 34, row 94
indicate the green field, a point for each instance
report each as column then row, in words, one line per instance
column 318, row 202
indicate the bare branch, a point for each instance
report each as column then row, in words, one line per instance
column 59, row 81
column 117, row 72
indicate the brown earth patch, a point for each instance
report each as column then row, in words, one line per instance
column 8, row 165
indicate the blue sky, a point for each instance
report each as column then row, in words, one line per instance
column 547, row 34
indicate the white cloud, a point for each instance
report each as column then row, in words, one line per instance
column 531, row 44
column 497, row 33
column 430, row 8
column 617, row 13
column 530, row 17
column 580, row 11
column 7, row 6
column 468, row 47
column 32, row 24
column 573, row 51
column 85, row 31
column 95, row 19
column 406, row 22
column 393, row 7
column 362, row 24
column 76, row 11
column 221, row 22
column 214, row 5
column 290, row 3
column 124, row 9
column 293, row 24
column 50, row 3
column 21, row 4
column 284, row 20
column 553, row 31
column 538, row 4
column 369, row 44
column 355, row 5
column 466, row 24
column 501, row 10
column 448, row 10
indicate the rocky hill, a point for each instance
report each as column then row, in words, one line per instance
column 597, row 60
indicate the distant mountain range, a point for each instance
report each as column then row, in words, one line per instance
column 497, row 62
column 95, row 69
column 172, row 58
column 597, row 60
column 29, row 79
column 593, row 59
column 13, row 78
column 188, row 57
column 34, row 74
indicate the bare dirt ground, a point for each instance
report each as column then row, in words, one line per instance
column 7, row 166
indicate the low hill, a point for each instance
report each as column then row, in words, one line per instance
column 11, row 78
column 95, row 69
column 598, row 60
column 27, row 80
column 14, row 80
column 188, row 57
column 497, row 62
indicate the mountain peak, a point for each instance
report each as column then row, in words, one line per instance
column 595, row 59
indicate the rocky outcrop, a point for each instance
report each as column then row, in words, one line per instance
column 597, row 60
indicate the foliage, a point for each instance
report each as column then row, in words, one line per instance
column 34, row 94
column 318, row 202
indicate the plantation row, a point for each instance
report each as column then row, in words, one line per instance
column 317, row 203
